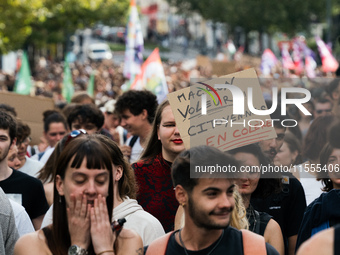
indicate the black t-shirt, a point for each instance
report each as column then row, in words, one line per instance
column 286, row 207
column 231, row 243
column 27, row 191
column 337, row 239
column 258, row 221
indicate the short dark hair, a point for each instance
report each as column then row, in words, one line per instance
column 51, row 116
column 266, row 186
column 86, row 113
column 136, row 101
column 200, row 156
column 8, row 121
column 8, row 108
column 23, row 131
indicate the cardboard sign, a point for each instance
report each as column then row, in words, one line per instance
column 202, row 61
column 30, row 110
column 197, row 129
column 221, row 68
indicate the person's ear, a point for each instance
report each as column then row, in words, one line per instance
column 14, row 142
column 59, row 184
column 119, row 173
column 144, row 114
column 181, row 195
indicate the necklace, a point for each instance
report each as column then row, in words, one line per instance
column 185, row 249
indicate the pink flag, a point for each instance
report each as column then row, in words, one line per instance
column 152, row 77
column 329, row 63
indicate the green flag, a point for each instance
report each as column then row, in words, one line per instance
column 90, row 86
column 23, row 84
column 68, row 88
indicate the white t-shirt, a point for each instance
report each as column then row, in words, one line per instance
column 22, row 220
column 31, row 167
column 136, row 150
column 311, row 186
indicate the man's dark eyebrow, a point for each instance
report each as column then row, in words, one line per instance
column 210, row 189
column 231, row 186
column 216, row 189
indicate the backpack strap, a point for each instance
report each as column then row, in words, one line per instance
column 133, row 141
column 158, row 246
column 253, row 244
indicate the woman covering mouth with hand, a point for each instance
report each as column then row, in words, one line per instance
column 83, row 203
column 153, row 171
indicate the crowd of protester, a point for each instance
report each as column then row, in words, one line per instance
column 120, row 155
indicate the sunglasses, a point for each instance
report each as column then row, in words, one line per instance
column 321, row 111
column 74, row 134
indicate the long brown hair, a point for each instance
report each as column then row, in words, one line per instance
column 97, row 157
column 154, row 146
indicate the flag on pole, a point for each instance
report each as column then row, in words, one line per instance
column 268, row 61
column 68, row 88
column 23, row 83
column 90, row 85
column 134, row 44
column 329, row 64
column 152, row 77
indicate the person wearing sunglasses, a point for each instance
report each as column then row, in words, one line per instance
column 125, row 205
column 83, row 206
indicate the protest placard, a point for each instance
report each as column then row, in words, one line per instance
column 222, row 68
column 202, row 61
column 221, row 127
column 30, row 111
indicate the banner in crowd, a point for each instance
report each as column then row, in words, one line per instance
column 30, row 110
column 68, row 89
column 23, row 83
column 134, row 44
column 152, row 77
column 220, row 127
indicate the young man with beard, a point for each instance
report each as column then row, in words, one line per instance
column 207, row 202
column 22, row 188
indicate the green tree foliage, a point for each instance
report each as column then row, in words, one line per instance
column 41, row 22
column 268, row 16
column 15, row 19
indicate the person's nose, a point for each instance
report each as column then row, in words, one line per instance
column 91, row 189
